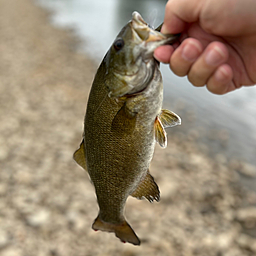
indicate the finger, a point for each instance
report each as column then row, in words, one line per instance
column 180, row 12
column 163, row 53
column 221, row 81
column 214, row 55
column 185, row 55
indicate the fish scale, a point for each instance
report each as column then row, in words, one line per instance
column 123, row 121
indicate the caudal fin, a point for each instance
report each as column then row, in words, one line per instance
column 123, row 231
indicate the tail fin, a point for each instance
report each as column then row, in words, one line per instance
column 123, row 231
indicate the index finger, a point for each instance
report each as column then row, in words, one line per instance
column 180, row 12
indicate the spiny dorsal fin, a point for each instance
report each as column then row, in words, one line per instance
column 160, row 133
column 124, row 121
column 79, row 156
column 148, row 189
column 169, row 119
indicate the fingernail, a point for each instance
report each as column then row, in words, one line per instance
column 221, row 74
column 164, row 29
column 215, row 56
column 191, row 51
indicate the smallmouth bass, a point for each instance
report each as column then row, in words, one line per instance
column 123, row 121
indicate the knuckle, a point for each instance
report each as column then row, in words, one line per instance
column 215, row 87
column 180, row 68
column 196, row 79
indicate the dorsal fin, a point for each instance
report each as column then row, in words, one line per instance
column 148, row 189
column 79, row 156
column 160, row 134
column 169, row 119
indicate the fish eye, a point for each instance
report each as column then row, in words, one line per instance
column 119, row 44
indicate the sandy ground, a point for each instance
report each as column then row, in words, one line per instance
column 47, row 204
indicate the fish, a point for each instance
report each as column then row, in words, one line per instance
column 124, row 119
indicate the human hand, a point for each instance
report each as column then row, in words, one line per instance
column 218, row 45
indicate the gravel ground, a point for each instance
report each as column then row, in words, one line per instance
column 47, row 204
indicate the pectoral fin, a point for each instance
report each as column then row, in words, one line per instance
column 148, row 189
column 169, row 119
column 160, row 133
column 165, row 119
column 79, row 156
column 124, row 121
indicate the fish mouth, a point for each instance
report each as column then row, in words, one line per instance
column 141, row 65
column 149, row 36
column 146, row 40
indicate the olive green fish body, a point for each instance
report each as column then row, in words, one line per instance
column 118, row 157
column 123, row 121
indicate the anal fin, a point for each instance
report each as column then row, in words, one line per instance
column 148, row 189
column 79, row 156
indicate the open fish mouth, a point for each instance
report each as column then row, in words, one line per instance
column 149, row 35
column 136, row 63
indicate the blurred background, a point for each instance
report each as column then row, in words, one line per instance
column 50, row 50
